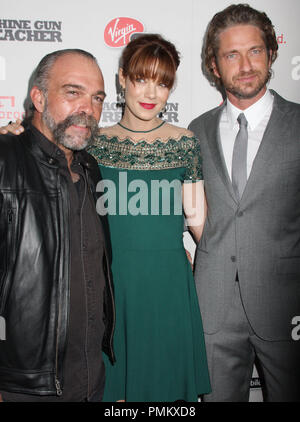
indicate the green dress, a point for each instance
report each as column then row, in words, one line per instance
column 158, row 340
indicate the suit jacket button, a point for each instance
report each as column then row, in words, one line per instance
column 233, row 259
column 240, row 214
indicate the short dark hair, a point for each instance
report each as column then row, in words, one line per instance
column 236, row 14
column 150, row 56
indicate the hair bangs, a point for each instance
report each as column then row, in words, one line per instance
column 155, row 64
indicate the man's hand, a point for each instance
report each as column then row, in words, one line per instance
column 14, row 127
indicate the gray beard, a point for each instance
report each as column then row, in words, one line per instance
column 59, row 129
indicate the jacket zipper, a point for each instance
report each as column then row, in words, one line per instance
column 86, row 300
column 58, row 388
column 56, row 380
column 3, row 293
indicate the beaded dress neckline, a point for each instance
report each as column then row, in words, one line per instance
column 142, row 155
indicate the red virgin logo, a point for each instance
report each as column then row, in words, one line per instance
column 118, row 31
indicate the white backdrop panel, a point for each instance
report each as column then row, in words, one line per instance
column 81, row 24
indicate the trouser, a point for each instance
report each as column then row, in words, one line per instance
column 231, row 354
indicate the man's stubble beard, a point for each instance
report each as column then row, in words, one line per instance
column 60, row 136
column 241, row 93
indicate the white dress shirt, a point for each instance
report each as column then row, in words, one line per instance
column 257, row 115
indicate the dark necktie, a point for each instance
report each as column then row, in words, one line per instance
column 239, row 158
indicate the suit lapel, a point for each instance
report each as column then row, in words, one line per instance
column 214, row 142
column 274, row 134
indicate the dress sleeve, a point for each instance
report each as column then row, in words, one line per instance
column 194, row 162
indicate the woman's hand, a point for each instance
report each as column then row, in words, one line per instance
column 14, row 127
column 190, row 259
column 195, row 207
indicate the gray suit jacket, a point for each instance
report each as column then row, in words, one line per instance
column 259, row 236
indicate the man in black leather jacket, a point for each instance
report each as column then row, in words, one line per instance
column 56, row 296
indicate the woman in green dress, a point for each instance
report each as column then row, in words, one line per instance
column 152, row 176
column 151, row 171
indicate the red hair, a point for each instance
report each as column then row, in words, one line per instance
column 149, row 56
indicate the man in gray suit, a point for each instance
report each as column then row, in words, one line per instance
column 247, row 266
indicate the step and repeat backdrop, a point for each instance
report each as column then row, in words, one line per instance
column 30, row 29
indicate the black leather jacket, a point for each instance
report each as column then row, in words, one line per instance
column 34, row 266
